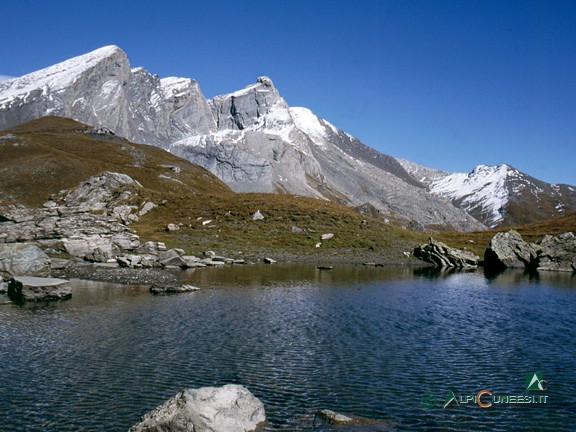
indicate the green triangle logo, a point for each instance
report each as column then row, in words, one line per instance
column 535, row 381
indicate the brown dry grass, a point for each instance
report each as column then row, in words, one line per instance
column 52, row 153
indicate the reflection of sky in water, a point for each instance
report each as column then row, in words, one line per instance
column 364, row 341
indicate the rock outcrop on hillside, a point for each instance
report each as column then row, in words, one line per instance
column 89, row 221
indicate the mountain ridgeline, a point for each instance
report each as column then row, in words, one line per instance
column 253, row 141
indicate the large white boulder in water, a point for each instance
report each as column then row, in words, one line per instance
column 230, row 408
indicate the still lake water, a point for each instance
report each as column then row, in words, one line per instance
column 387, row 343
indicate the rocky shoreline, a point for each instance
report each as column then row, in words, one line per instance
column 118, row 275
column 507, row 250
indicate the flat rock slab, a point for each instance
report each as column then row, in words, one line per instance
column 30, row 288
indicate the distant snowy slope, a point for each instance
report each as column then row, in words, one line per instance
column 312, row 125
column 484, row 188
column 497, row 195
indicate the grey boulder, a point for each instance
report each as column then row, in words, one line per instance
column 557, row 253
column 23, row 259
column 230, row 408
column 509, row 250
column 30, row 288
column 441, row 255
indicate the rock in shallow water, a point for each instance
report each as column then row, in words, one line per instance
column 29, row 288
column 155, row 289
column 557, row 253
column 441, row 255
column 230, row 408
column 509, row 250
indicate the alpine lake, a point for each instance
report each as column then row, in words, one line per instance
column 413, row 348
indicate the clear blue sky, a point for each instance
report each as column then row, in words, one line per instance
column 445, row 83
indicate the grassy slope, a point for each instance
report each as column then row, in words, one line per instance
column 232, row 230
column 52, row 153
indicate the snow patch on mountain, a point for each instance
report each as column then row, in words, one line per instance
column 55, row 77
column 310, row 124
column 485, row 186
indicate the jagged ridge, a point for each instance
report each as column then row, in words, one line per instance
column 250, row 138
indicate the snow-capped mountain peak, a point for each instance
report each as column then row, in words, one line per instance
column 255, row 142
column 58, row 76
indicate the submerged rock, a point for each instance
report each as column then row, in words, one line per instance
column 328, row 420
column 230, row 408
column 155, row 289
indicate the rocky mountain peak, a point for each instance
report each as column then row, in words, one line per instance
column 265, row 80
column 255, row 142
column 243, row 108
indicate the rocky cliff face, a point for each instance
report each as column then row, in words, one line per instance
column 250, row 138
column 100, row 88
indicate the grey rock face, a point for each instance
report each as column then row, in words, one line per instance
column 101, row 191
column 101, row 89
column 242, row 109
column 231, row 408
column 23, row 259
column 557, row 253
column 85, row 222
column 509, row 250
column 29, row 288
column 441, row 255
